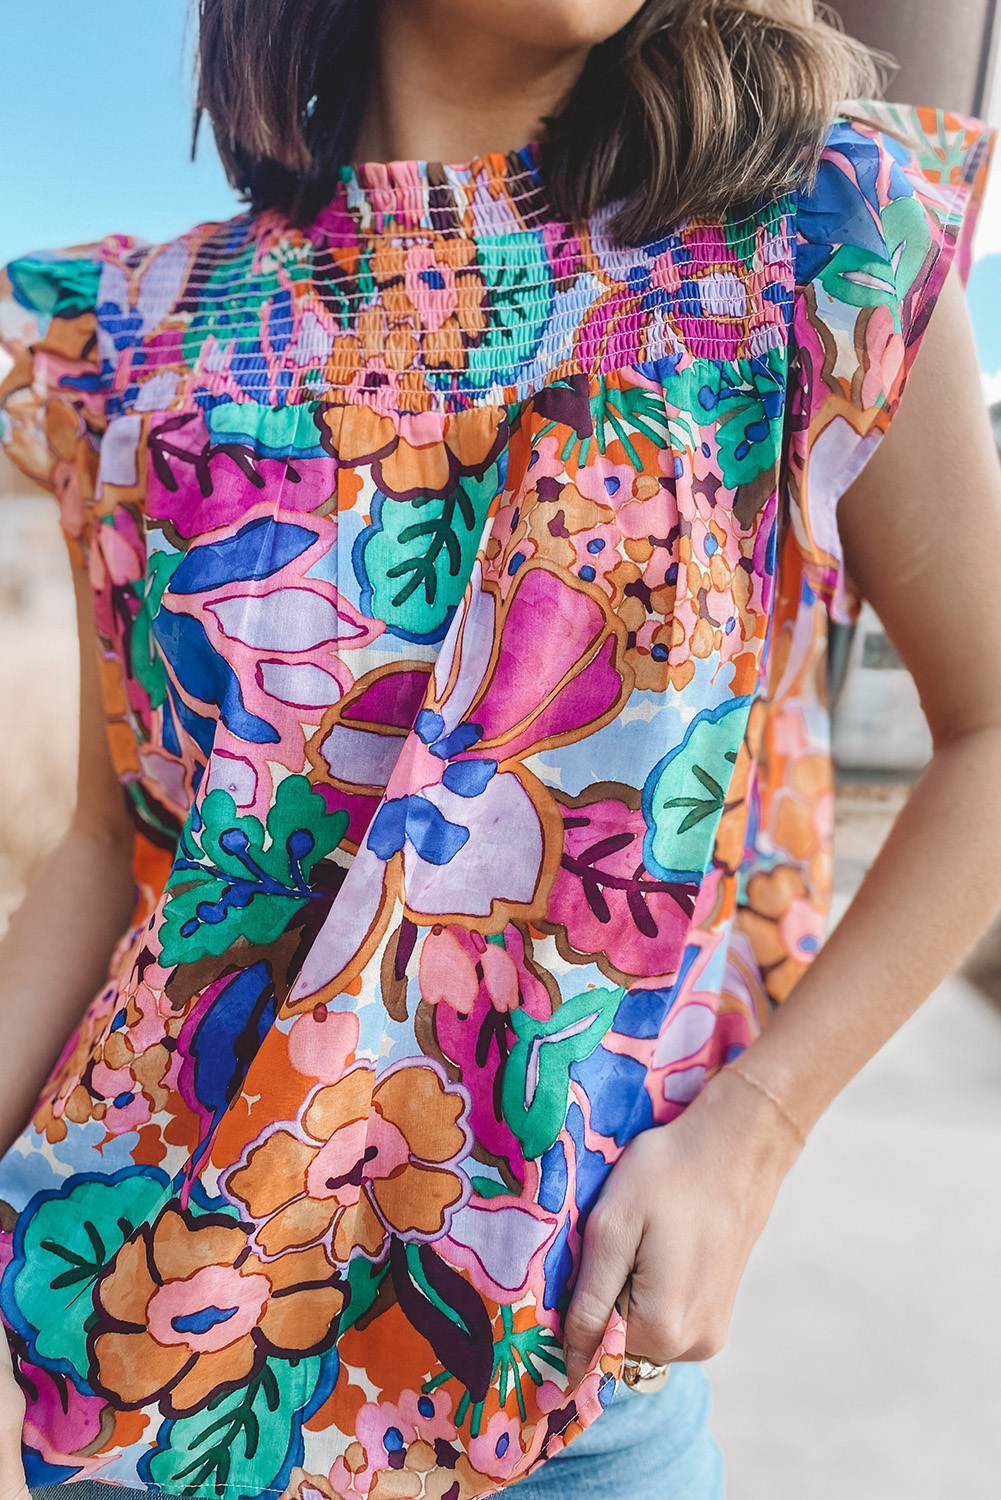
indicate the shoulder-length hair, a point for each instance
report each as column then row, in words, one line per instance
column 692, row 108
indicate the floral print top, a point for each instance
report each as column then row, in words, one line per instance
column 462, row 586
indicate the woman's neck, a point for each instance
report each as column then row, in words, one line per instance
column 450, row 94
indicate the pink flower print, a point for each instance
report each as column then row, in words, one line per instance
column 430, row 286
column 361, row 737
column 473, row 985
column 127, row 1107
column 454, row 964
column 607, row 483
column 118, row 554
column 387, row 1429
column 322, row 1042
column 802, row 927
column 886, row 356
column 394, row 1437
column 177, row 1304
column 447, row 972
column 497, row 1449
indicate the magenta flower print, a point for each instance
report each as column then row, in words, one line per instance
column 61, row 1421
column 359, row 742
column 607, row 904
column 534, row 671
column 472, row 985
column 539, row 669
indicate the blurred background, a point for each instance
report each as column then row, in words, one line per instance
column 862, row 1363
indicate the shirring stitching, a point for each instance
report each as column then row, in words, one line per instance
column 438, row 397
column 762, row 314
column 272, row 231
column 754, row 273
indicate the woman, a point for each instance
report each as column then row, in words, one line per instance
column 460, row 543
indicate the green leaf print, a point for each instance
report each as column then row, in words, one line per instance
column 512, row 265
column 536, row 1088
column 750, row 404
column 240, row 1440
column 859, row 278
column 364, row 1281
column 67, row 1244
column 285, row 431
column 536, row 1352
column 418, row 555
column 214, row 317
column 685, row 794
column 941, row 151
column 232, row 878
column 622, row 413
column 743, row 226
column 744, row 400
column 145, row 659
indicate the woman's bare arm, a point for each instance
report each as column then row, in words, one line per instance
column 684, row 1206
column 56, row 951
column 55, row 956
column 922, row 536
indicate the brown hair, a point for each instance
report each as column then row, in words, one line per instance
column 694, row 107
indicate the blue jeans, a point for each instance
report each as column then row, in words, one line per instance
column 659, row 1447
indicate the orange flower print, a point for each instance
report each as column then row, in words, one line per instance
column 365, row 1162
column 432, row 290
column 784, row 926
column 187, row 1308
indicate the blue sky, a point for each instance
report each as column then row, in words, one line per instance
column 985, row 302
column 95, row 122
column 95, row 125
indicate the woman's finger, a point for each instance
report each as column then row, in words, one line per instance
column 607, row 1258
column 676, row 1317
column 13, row 1484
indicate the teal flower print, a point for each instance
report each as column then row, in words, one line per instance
column 414, row 561
column 685, row 794
column 63, row 1244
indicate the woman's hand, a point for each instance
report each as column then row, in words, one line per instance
column 13, row 1485
column 676, row 1222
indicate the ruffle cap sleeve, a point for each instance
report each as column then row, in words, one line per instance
column 51, row 395
column 893, row 208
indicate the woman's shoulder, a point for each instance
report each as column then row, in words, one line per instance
column 43, row 290
column 887, row 167
column 73, row 281
column 53, row 283
column 944, row 146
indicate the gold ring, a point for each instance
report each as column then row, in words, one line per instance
column 644, row 1375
